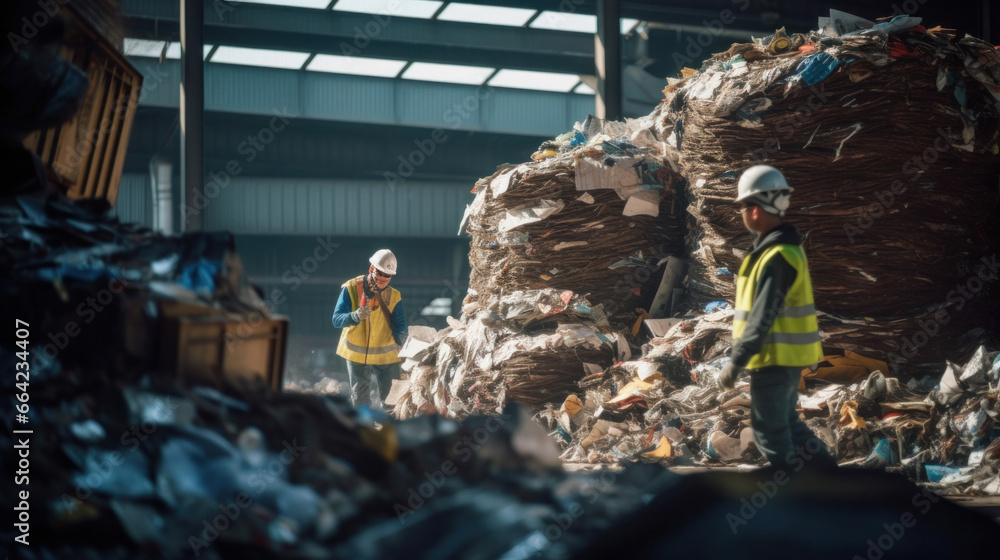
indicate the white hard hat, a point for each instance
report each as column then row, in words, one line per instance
column 384, row 260
column 760, row 179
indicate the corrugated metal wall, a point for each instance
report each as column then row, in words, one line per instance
column 317, row 95
column 281, row 206
column 135, row 200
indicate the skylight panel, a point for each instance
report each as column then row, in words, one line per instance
column 563, row 21
column 318, row 4
column 152, row 49
column 581, row 23
column 379, row 67
column 143, row 47
column 628, row 24
column 449, row 73
column 260, row 57
column 174, row 51
column 423, row 9
column 525, row 79
column 492, row 15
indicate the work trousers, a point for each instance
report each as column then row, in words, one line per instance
column 780, row 435
column 370, row 383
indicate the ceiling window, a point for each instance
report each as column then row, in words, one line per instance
column 383, row 68
column 450, row 73
column 260, row 57
column 318, row 4
column 581, row 23
column 152, row 49
column 424, row 9
column 492, row 15
column 525, row 79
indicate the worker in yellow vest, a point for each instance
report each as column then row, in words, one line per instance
column 775, row 332
column 374, row 329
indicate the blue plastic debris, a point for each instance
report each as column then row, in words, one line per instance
column 816, row 68
column 883, row 455
column 716, row 306
column 899, row 23
column 199, row 276
column 937, row 472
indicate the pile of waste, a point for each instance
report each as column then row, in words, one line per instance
column 85, row 282
column 888, row 134
column 528, row 347
column 567, row 251
column 595, row 213
column 665, row 407
column 154, row 469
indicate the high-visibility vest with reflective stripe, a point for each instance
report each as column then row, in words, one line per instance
column 794, row 337
column 371, row 341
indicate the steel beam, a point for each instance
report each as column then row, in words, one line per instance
column 343, row 33
column 192, row 111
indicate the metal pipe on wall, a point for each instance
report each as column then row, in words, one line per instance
column 161, row 173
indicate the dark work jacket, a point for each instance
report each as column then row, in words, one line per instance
column 769, row 294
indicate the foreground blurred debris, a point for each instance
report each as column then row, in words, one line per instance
column 120, row 298
column 816, row 514
column 154, row 470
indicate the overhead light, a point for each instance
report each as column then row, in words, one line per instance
column 526, row 79
column 359, row 66
column 492, row 15
column 449, row 73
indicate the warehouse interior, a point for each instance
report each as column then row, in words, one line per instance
column 543, row 411
column 344, row 146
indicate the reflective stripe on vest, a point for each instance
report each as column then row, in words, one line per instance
column 371, row 340
column 794, row 337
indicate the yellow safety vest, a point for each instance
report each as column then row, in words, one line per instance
column 371, row 341
column 794, row 337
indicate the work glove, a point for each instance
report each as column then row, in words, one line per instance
column 727, row 377
column 362, row 313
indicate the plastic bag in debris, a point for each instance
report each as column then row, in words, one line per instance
column 960, row 380
column 816, row 68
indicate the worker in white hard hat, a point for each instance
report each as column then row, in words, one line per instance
column 775, row 332
column 374, row 329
